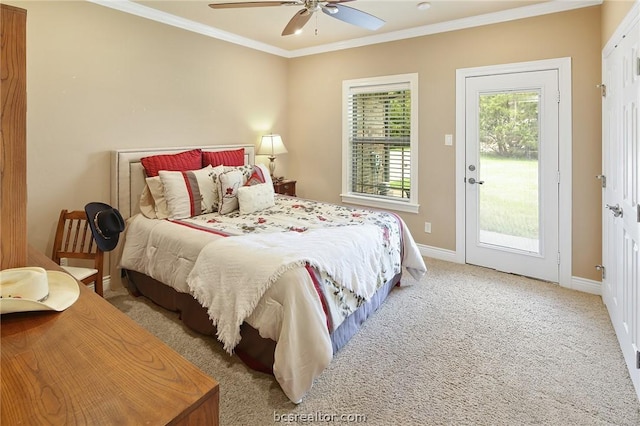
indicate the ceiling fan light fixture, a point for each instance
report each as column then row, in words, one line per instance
column 424, row 5
column 332, row 9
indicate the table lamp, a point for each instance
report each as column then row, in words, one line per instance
column 271, row 145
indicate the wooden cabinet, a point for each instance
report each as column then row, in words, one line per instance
column 92, row 364
column 285, row 187
column 13, row 137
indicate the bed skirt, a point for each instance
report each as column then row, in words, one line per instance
column 254, row 350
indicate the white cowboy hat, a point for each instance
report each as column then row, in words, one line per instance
column 35, row 289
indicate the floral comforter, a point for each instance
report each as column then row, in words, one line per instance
column 292, row 214
column 299, row 322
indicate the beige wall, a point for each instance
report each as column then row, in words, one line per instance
column 315, row 116
column 100, row 80
column 613, row 11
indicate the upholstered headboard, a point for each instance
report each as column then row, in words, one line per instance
column 128, row 177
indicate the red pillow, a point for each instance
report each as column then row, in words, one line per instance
column 225, row 158
column 255, row 178
column 182, row 162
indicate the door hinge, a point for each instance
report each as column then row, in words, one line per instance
column 603, row 89
column 558, row 97
column 603, row 270
column 558, row 258
column 603, row 178
column 638, row 66
column 638, row 213
column 638, row 359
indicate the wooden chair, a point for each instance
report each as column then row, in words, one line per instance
column 74, row 240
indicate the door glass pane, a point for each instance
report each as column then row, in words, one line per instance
column 508, row 201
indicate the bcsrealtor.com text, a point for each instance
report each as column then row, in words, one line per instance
column 319, row 417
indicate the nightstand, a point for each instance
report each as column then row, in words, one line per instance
column 285, row 187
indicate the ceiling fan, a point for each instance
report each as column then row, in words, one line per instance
column 333, row 8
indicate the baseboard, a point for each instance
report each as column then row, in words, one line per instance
column 586, row 285
column 106, row 284
column 438, row 253
column 577, row 283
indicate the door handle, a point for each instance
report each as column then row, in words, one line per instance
column 616, row 210
column 472, row 181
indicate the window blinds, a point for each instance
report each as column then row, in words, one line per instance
column 379, row 125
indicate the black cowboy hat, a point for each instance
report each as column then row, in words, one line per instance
column 106, row 224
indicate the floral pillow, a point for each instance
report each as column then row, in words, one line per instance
column 188, row 193
column 229, row 182
column 215, row 177
column 248, row 170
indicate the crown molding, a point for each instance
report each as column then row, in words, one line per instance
column 553, row 6
column 187, row 24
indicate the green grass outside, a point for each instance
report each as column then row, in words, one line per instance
column 509, row 196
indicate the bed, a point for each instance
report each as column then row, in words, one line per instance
column 282, row 283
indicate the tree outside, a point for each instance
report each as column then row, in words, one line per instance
column 508, row 131
column 509, row 124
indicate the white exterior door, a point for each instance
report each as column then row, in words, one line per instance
column 512, row 172
column 621, row 195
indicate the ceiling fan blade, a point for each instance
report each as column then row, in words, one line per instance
column 353, row 16
column 255, row 4
column 297, row 22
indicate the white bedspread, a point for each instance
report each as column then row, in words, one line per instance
column 289, row 310
column 222, row 282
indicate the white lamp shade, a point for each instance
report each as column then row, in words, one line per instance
column 271, row 145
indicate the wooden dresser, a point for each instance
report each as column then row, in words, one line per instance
column 91, row 364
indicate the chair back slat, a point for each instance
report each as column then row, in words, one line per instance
column 69, row 233
column 74, row 240
column 78, row 237
column 76, row 227
column 85, row 228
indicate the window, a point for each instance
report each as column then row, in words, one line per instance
column 380, row 142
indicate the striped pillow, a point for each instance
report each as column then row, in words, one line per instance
column 223, row 158
column 189, row 193
column 187, row 160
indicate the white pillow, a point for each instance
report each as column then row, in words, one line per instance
column 147, row 205
column 228, row 190
column 255, row 197
column 157, row 192
column 188, row 193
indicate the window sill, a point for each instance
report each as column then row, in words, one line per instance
column 380, row 203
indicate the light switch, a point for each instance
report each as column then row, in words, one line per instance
column 448, row 140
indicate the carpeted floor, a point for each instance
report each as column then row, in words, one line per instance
column 464, row 346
